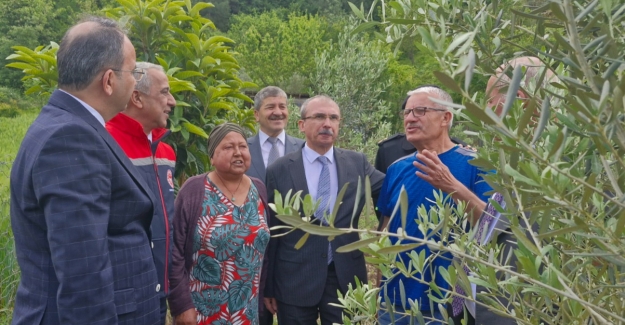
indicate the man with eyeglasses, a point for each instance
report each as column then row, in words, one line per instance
column 140, row 130
column 80, row 211
column 395, row 147
column 439, row 164
column 303, row 283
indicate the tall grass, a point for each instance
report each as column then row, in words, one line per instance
column 11, row 134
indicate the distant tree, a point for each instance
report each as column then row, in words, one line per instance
column 278, row 49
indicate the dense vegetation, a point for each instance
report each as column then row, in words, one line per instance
column 564, row 165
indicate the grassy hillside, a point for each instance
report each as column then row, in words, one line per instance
column 11, row 134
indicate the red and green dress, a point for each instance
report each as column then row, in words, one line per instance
column 228, row 248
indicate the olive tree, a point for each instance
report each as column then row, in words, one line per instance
column 557, row 158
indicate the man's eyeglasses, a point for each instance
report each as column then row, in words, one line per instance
column 136, row 72
column 419, row 111
column 322, row 117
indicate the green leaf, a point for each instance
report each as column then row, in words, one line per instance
column 397, row 248
column 302, row 241
column 357, row 245
column 447, row 81
column 513, row 88
column 357, row 11
column 194, row 129
column 207, row 270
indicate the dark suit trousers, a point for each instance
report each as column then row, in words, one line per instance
column 298, row 315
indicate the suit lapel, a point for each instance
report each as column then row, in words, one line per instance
column 255, row 151
column 298, row 175
column 68, row 103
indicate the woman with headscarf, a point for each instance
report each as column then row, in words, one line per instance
column 220, row 236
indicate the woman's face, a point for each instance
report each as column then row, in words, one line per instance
column 232, row 155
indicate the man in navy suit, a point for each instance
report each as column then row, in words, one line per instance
column 272, row 114
column 80, row 212
column 302, row 283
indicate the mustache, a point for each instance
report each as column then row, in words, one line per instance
column 276, row 117
column 326, row 132
column 414, row 125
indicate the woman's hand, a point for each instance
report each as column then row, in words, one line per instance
column 189, row 317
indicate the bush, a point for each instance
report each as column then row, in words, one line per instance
column 557, row 157
column 11, row 135
column 278, row 49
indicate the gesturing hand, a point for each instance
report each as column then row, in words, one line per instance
column 432, row 170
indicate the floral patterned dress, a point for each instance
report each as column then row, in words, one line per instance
column 228, row 248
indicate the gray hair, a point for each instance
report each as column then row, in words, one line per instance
column 302, row 110
column 437, row 93
column 269, row 91
column 82, row 55
column 145, row 83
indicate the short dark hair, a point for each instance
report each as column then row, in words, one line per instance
column 82, row 56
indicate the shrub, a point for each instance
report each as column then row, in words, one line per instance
column 557, row 157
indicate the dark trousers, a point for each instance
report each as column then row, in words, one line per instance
column 298, row 315
column 265, row 317
column 163, row 310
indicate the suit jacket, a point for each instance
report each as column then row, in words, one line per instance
column 257, row 169
column 298, row 276
column 80, row 214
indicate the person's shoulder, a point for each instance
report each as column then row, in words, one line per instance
column 253, row 138
column 396, row 138
column 193, row 183
column 407, row 159
column 295, row 139
column 464, row 151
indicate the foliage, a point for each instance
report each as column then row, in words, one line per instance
column 33, row 22
column 558, row 155
column 279, row 51
column 352, row 73
column 201, row 68
column 11, row 135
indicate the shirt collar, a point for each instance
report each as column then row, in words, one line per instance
column 262, row 136
column 91, row 110
column 312, row 155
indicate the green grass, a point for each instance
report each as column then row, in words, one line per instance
column 11, row 134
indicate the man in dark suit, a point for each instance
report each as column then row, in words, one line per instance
column 80, row 212
column 301, row 284
column 271, row 142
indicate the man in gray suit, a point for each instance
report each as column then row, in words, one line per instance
column 271, row 142
column 80, row 211
column 302, row 283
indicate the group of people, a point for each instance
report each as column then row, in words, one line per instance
column 100, row 240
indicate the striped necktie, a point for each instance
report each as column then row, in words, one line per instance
column 323, row 194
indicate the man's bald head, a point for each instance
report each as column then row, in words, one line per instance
column 533, row 70
column 92, row 45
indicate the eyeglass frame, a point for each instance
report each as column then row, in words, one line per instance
column 404, row 112
column 334, row 118
column 134, row 71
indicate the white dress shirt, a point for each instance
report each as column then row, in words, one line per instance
column 91, row 110
column 312, row 168
column 265, row 146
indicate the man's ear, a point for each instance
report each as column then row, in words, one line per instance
column 300, row 123
column 108, row 81
column 257, row 115
column 136, row 99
